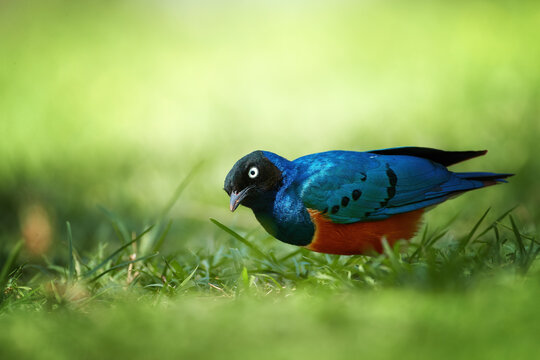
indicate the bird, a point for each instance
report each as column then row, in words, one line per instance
column 348, row 202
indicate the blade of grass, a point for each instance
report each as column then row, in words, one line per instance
column 426, row 242
column 185, row 281
column 125, row 263
column 241, row 239
column 421, row 245
column 533, row 239
column 465, row 241
column 110, row 257
column 71, row 273
column 161, row 239
column 517, row 234
column 389, row 252
column 290, row 255
column 166, row 267
column 244, row 278
column 496, row 221
column 179, row 190
column 12, row 257
column 424, row 235
column 266, row 276
column 118, row 226
column 531, row 248
column 435, row 239
column 56, row 294
column 498, row 244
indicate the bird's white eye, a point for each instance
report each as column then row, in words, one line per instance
column 253, row 172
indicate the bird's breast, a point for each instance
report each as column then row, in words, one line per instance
column 292, row 227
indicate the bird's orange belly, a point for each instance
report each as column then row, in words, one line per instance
column 361, row 237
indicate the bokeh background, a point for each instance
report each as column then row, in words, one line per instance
column 112, row 104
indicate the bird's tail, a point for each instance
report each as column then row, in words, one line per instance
column 456, row 185
column 485, row 177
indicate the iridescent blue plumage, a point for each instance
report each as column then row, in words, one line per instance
column 376, row 186
column 348, row 187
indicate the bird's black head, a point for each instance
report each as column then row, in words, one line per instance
column 252, row 181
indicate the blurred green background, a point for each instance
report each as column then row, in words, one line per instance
column 113, row 103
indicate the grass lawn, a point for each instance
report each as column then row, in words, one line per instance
column 119, row 121
column 493, row 322
column 472, row 297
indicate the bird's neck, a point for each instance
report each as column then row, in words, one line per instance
column 280, row 162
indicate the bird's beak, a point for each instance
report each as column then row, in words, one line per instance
column 237, row 197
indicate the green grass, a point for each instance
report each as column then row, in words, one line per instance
column 434, row 261
column 120, row 119
column 438, row 297
column 483, row 325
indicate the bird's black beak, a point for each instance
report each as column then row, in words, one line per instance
column 237, row 197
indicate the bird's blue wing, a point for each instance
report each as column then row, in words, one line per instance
column 353, row 186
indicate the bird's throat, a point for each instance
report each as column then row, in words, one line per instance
column 295, row 230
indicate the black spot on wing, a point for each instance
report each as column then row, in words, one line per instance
column 392, row 178
column 335, row 209
column 390, row 190
column 356, row 194
column 344, row 201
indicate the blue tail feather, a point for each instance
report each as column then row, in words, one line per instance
column 454, row 187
